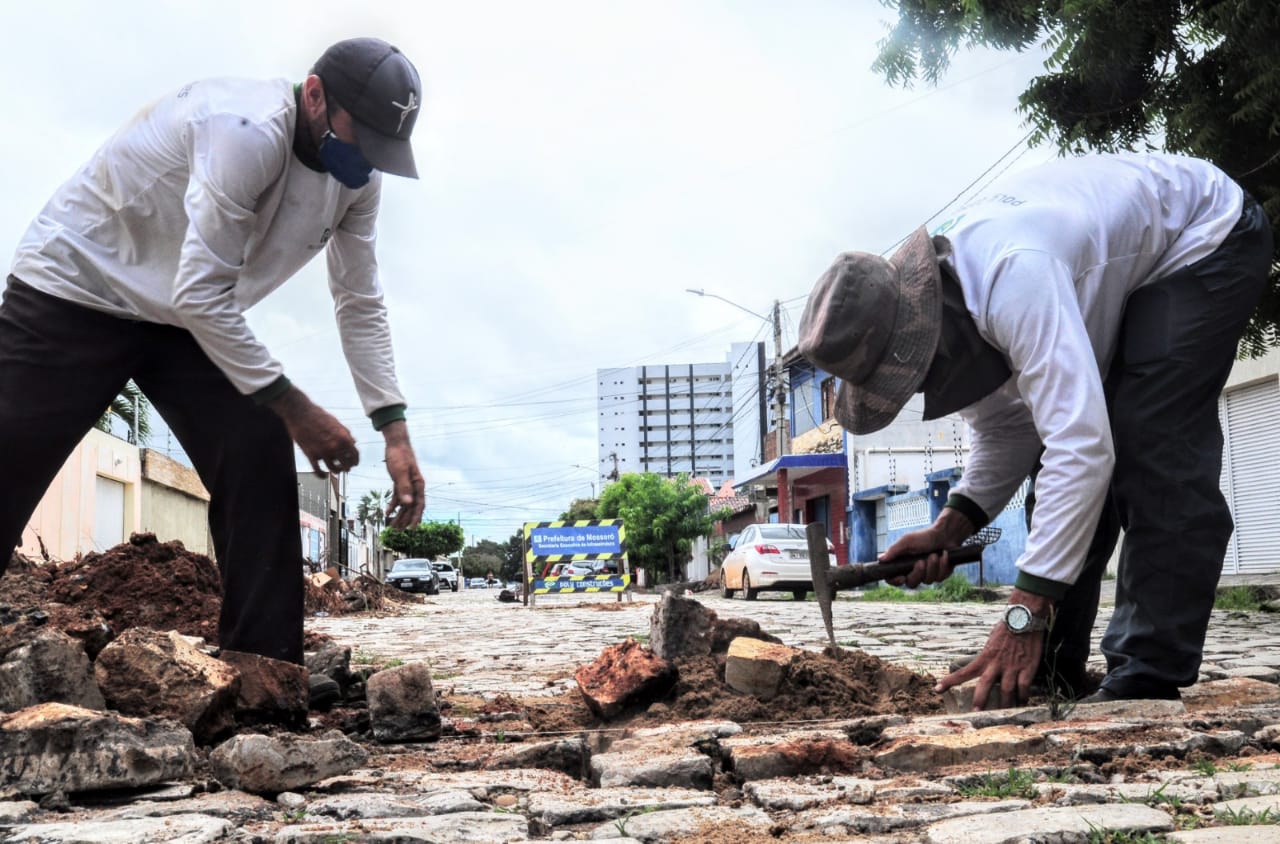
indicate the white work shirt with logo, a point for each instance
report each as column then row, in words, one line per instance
column 1046, row 259
column 195, row 211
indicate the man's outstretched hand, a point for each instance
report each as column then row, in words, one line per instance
column 1007, row 664
column 323, row 439
column 409, row 498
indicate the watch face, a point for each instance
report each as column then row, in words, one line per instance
column 1017, row 617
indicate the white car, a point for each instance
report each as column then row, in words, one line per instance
column 448, row 575
column 773, row 557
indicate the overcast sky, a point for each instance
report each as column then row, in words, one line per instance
column 582, row 164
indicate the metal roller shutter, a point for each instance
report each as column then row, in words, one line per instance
column 1251, row 474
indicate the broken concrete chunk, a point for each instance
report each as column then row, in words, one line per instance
column 272, row 691
column 269, row 765
column 50, row 667
column 147, row 673
column 680, row 628
column 56, row 747
column 402, row 704
column 757, row 668
column 624, row 675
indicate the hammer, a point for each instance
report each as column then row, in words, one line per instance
column 827, row 581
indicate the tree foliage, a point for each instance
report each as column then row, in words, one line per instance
column 429, row 539
column 1199, row 77
column 662, row 517
column 580, row 510
column 483, row 557
column 373, row 507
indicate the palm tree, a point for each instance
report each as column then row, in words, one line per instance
column 372, row 509
column 132, row 407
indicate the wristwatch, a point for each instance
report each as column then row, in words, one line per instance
column 1019, row 619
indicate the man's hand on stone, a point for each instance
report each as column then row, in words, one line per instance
column 1008, row 663
column 321, row 437
column 409, row 497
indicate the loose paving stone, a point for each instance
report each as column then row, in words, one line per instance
column 1247, row 783
column 1070, row 794
column 1267, row 805
column 402, row 704
column 56, row 747
column 792, row 754
column 686, row 768
column 570, row 756
column 1073, row 823
column 272, row 691
column 50, row 667
column 627, row 674
column 1221, row 694
column 269, row 765
column 180, row 829
column 757, row 668
column 345, row 807
column 459, row 828
column 147, row 673
column 1105, row 742
column 685, row 824
column 588, row 806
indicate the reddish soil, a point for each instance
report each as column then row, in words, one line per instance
column 820, row 686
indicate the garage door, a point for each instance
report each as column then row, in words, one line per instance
column 108, row 513
column 1250, row 471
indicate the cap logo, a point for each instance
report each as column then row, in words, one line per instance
column 405, row 108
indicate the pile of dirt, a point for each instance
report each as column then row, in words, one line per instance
column 139, row 583
column 819, row 686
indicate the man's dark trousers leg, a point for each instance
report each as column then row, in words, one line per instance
column 1176, row 348
column 60, row 365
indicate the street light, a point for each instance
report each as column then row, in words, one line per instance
column 779, row 393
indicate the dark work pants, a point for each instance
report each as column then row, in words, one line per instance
column 1177, row 343
column 60, row 366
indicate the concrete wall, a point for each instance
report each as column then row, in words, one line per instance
column 175, row 504
column 66, row 517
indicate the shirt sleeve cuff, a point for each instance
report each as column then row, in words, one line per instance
column 970, row 510
column 272, row 391
column 1054, row 589
column 384, row 416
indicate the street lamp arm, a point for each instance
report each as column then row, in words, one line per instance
column 699, row 292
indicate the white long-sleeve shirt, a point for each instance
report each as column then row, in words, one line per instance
column 196, row 210
column 1046, row 260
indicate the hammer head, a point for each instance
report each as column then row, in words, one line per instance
column 820, row 569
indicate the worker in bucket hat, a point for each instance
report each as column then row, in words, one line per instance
column 1082, row 317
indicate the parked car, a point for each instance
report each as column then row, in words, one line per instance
column 597, row 568
column 448, row 575
column 414, row 575
column 772, row 557
column 476, row 583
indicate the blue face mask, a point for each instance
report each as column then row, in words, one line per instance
column 344, row 161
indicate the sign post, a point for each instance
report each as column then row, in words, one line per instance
column 586, row 541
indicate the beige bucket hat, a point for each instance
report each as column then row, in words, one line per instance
column 875, row 325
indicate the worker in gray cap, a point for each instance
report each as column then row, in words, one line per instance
column 1082, row 318
column 142, row 266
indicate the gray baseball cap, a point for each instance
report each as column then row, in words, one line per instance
column 379, row 87
column 875, row 324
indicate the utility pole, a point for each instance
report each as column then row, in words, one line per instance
column 779, row 389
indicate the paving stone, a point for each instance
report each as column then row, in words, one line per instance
column 361, row 805
column 50, row 667
column 962, row 746
column 593, row 805
column 229, row 805
column 1266, row 803
column 788, row 794
column 57, row 747
column 679, row 768
column 14, row 811
column 272, row 691
column 757, row 668
column 568, row 755
column 1106, row 742
column 1071, row 794
column 179, row 829
column 879, row 819
column 402, row 704
column 270, row 764
column 458, row 828
column 1266, row 673
column 685, row 824
column 624, row 675
column 1226, row 835
column 1073, row 823
column 1225, row 694
column 1128, row 710
column 1250, row 783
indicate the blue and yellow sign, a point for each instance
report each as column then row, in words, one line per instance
column 563, row 542
column 581, row 583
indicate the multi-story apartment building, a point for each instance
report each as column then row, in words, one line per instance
column 694, row 418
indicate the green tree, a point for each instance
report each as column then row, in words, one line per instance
column 513, row 558
column 483, row 557
column 131, row 401
column 662, row 517
column 429, row 539
column 1200, row 78
column 581, row 510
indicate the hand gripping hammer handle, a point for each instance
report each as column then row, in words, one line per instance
column 857, row 574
